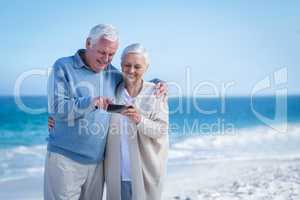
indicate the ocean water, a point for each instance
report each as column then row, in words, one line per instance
column 200, row 128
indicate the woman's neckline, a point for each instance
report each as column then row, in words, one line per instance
column 139, row 90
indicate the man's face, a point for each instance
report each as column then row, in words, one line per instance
column 99, row 55
column 133, row 67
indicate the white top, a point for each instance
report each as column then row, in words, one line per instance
column 125, row 160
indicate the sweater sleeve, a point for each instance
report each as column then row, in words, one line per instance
column 62, row 105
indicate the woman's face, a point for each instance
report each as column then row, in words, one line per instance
column 133, row 67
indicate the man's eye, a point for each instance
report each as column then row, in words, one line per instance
column 101, row 52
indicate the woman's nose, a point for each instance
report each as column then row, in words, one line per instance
column 131, row 69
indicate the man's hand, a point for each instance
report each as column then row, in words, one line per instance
column 51, row 123
column 101, row 102
column 132, row 114
column 161, row 89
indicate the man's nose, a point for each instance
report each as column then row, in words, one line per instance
column 106, row 58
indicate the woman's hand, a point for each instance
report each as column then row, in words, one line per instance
column 132, row 114
column 51, row 123
column 161, row 89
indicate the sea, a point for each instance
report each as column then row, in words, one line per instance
column 233, row 127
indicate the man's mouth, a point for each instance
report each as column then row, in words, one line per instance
column 101, row 63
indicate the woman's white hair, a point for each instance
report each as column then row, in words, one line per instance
column 136, row 48
column 106, row 31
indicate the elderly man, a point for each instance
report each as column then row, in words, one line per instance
column 80, row 88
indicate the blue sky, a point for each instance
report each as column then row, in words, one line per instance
column 213, row 41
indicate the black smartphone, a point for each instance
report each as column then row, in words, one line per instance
column 117, row 108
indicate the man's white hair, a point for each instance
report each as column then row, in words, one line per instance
column 106, row 31
column 136, row 48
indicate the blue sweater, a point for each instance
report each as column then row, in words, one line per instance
column 80, row 130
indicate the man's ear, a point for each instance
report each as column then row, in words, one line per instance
column 88, row 43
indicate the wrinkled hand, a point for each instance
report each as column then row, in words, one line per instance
column 101, row 102
column 161, row 89
column 51, row 123
column 132, row 114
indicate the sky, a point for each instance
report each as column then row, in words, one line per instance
column 198, row 47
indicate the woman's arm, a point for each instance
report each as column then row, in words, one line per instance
column 157, row 124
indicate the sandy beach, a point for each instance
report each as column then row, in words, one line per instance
column 276, row 179
column 259, row 164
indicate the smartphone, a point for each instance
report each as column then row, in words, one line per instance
column 117, row 108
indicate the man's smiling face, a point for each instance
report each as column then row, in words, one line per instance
column 100, row 54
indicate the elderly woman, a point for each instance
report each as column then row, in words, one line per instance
column 137, row 144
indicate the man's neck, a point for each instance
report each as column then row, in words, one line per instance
column 82, row 55
column 84, row 59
